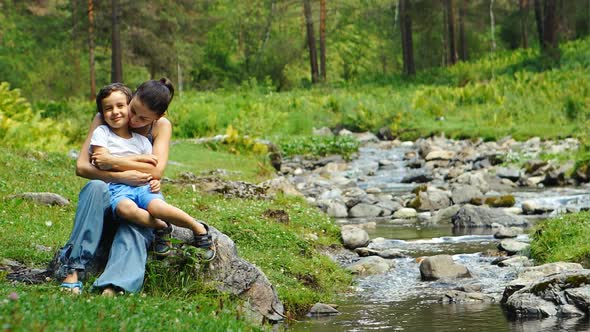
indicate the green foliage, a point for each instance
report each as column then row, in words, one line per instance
column 565, row 238
column 345, row 146
column 20, row 127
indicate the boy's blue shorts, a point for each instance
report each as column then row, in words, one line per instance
column 142, row 196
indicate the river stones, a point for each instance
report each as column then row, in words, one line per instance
column 321, row 309
column 442, row 267
column 512, row 246
column 337, row 210
column 405, row 213
column 354, row 237
column 364, row 210
column 371, row 265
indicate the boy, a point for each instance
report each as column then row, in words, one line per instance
column 142, row 205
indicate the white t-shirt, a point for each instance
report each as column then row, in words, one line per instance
column 118, row 146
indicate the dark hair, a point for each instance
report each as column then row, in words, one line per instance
column 155, row 95
column 108, row 89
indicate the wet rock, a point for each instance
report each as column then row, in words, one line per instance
column 442, row 267
column 354, row 237
column 417, row 177
column 430, row 201
column 440, row 155
column 481, row 216
column 476, row 179
column 564, row 294
column 321, row 309
column 494, row 201
column 337, row 210
column 533, row 207
column 371, row 265
column 512, row 174
column 44, row 198
column 391, row 253
column 463, row 193
column 457, row 296
column 364, row 210
column 366, row 252
column 512, row 246
column 515, row 261
column 507, row 232
column 445, row 215
column 405, row 213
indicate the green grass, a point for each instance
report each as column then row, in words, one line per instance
column 301, row 275
column 565, row 238
column 43, row 308
column 188, row 157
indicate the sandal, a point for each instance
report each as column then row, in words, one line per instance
column 205, row 241
column 162, row 244
column 70, row 286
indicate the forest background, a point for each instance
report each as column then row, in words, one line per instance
column 272, row 69
column 491, row 67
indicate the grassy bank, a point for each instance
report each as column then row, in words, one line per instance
column 565, row 238
column 31, row 233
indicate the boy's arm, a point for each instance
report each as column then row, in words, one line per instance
column 142, row 162
column 85, row 169
column 154, row 163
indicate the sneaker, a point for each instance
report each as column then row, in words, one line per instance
column 162, row 244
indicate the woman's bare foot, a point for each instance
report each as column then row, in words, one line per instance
column 108, row 292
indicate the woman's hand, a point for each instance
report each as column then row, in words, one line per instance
column 154, row 186
column 133, row 178
column 102, row 159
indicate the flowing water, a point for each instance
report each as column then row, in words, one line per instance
column 399, row 301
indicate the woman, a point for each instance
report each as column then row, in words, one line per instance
column 125, row 268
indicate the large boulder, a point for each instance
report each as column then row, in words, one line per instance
column 442, row 267
column 482, row 216
column 564, row 294
column 230, row 273
column 354, row 237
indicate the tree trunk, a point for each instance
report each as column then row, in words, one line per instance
column 539, row 20
column 462, row 38
column 550, row 42
column 406, row 34
column 493, row 26
column 524, row 10
column 445, row 35
column 75, row 48
column 323, row 39
column 267, row 30
column 313, row 56
column 91, row 49
column 451, row 27
column 116, row 61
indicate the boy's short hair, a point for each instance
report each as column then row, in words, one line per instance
column 108, row 89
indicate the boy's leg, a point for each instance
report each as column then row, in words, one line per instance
column 128, row 210
column 162, row 210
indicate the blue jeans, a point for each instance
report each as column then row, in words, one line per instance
column 125, row 268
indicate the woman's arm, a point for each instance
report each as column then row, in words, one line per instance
column 153, row 164
column 85, row 169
